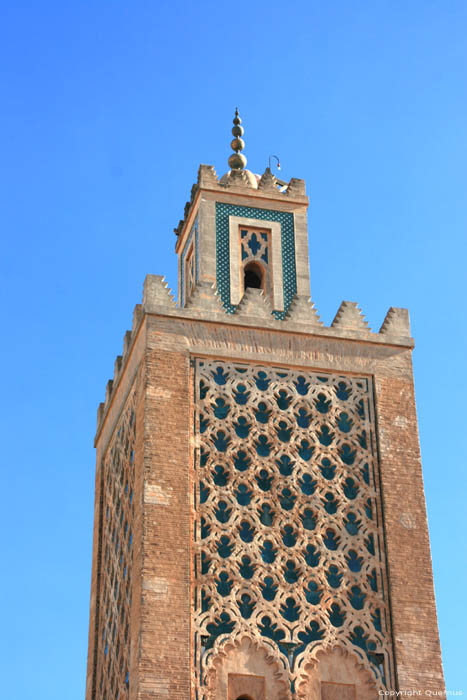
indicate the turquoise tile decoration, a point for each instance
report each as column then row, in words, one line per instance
column 289, row 273
column 194, row 232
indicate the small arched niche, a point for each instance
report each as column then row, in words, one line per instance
column 253, row 276
column 245, row 669
column 337, row 673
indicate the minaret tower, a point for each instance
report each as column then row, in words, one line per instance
column 260, row 528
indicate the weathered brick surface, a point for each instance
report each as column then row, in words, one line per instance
column 138, row 525
column 161, row 608
column 164, row 664
column 130, row 381
column 417, row 649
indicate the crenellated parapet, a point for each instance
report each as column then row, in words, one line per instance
column 396, row 322
column 243, row 182
column 242, row 249
column 121, row 360
column 187, row 207
column 254, row 312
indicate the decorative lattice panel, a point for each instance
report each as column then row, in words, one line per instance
column 114, row 602
column 289, row 273
column 288, row 535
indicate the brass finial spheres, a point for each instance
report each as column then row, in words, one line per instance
column 237, row 160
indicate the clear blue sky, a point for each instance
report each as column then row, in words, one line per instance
column 107, row 110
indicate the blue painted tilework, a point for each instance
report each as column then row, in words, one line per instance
column 194, row 232
column 289, row 274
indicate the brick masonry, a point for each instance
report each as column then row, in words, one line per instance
column 161, row 656
column 157, row 364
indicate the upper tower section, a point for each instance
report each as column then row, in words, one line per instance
column 244, row 231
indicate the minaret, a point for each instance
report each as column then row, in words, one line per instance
column 260, row 527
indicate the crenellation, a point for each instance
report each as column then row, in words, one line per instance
column 179, row 228
column 126, row 343
column 108, row 392
column 156, row 293
column 187, row 208
column 205, row 298
column 396, row 322
column 255, row 303
column 255, row 311
column 267, row 181
column 350, row 317
column 100, row 414
column 258, row 187
column 296, row 188
column 137, row 316
column 303, row 310
column 193, row 191
column 207, row 177
column 117, row 367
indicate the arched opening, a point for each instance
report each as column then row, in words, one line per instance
column 253, row 276
column 244, row 697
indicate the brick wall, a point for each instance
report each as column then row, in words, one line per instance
column 164, row 664
column 417, row 649
column 160, row 655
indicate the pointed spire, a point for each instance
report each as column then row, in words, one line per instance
column 237, row 160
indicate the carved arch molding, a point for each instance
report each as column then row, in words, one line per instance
column 242, row 666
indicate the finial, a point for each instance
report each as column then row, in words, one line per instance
column 237, row 160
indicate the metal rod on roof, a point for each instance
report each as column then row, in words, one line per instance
column 278, row 162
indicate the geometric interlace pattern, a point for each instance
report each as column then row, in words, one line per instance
column 288, row 536
column 254, row 245
column 111, row 660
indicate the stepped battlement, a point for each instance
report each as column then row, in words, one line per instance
column 254, row 312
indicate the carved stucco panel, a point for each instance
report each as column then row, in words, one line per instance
column 288, row 537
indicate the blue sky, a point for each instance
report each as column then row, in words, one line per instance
column 108, row 109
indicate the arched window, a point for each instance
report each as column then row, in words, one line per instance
column 253, row 276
